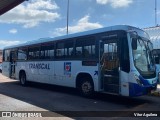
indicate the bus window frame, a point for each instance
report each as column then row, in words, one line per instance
column 50, row 45
column 83, row 42
column 26, row 47
column 31, row 47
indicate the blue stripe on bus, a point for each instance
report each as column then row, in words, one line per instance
column 145, row 82
column 136, row 90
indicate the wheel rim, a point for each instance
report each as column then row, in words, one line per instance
column 86, row 87
column 23, row 79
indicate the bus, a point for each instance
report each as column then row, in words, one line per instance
column 156, row 54
column 155, row 39
column 115, row 60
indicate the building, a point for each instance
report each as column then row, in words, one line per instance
column 1, row 56
column 154, row 33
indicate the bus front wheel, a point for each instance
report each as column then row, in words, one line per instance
column 86, row 88
column 23, row 79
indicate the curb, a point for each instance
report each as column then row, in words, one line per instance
column 155, row 93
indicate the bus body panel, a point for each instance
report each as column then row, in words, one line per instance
column 70, row 69
column 139, row 89
column 124, row 91
column 6, row 66
column 61, row 73
column 37, row 71
column 158, row 72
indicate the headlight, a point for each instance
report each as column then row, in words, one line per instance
column 138, row 80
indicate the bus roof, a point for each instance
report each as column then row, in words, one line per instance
column 90, row 32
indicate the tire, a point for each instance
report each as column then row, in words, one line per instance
column 86, row 88
column 23, row 79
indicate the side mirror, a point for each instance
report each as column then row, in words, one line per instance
column 157, row 60
column 134, row 43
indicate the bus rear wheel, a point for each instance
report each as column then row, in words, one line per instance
column 86, row 88
column 23, row 79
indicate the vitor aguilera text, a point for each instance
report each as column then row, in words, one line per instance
column 145, row 115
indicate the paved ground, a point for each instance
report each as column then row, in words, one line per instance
column 11, row 103
column 38, row 97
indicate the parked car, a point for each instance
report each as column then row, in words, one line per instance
column 0, row 67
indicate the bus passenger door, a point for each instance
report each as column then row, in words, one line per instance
column 13, row 63
column 110, row 66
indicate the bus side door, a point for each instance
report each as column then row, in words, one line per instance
column 13, row 57
column 110, row 66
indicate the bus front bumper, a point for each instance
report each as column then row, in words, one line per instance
column 138, row 90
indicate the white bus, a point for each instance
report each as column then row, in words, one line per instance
column 115, row 60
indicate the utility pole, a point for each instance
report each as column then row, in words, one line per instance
column 155, row 12
column 67, row 15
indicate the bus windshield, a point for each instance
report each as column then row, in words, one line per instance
column 142, row 56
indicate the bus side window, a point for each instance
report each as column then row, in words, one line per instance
column 6, row 55
column 125, row 55
column 86, row 53
column 78, row 51
column 34, row 52
column 157, row 61
column 64, row 49
column 60, row 50
column 69, row 52
column 47, row 51
column 22, row 53
column 89, row 50
column 85, row 47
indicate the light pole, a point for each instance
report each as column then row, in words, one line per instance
column 155, row 12
column 67, row 15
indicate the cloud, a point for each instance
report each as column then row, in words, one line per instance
column 115, row 3
column 32, row 13
column 5, row 43
column 42, row 4
column 13, row 31
column 82, row 25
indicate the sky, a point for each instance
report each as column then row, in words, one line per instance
column 36, row 19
